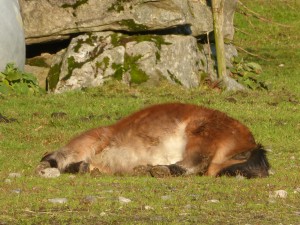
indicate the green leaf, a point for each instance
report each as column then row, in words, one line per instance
column 4, row 89
column 247, row 68
column 29, row 77
column 255, row 67
column 13, row 75
column 238, row 60
column 2, row 77
column 10, row 67
column 14, row 80
column 233, row 70
column 21, row 88
column 5, row 82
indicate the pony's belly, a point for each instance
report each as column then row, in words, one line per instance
column 123, row 158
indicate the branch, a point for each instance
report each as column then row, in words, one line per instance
column 252, row 54
column 258, row 16
column 240, row 30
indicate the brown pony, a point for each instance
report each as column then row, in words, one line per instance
column 166, row 139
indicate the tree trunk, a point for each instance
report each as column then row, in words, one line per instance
column 218, row 17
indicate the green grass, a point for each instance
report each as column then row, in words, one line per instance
column 273, row 116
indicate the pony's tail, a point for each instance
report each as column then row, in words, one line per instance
column 257, row 165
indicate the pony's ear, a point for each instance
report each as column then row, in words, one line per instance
column 48, row 157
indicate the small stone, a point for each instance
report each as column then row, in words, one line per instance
column 17, row 191
column 58, row 200
column 231, row 99
column 281, row 65
column 239, row 177
column 166, row 197
column 278, row 194
column 58, row 115
column 90, row 199
column 14, row 175
column 4, row 119
column 297, row 190
column 87, row 118
column 213, row 201
column 124, row 200
column 103, row 214
column 147, row 207
column 49, row 173
column 272, row 201
column 8, row 181
column 188, row 206
column 271, row 172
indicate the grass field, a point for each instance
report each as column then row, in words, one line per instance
column 273, row 116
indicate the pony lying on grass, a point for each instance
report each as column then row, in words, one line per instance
column 165, row 140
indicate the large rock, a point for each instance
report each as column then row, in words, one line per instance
column 228, row 28
column 12, row 41
column 48, row 20
column 91, row 59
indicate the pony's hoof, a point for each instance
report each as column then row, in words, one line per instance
column 160, row 171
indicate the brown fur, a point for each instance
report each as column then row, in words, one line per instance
column 183, row 137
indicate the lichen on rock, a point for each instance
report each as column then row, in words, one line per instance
column 92, row 58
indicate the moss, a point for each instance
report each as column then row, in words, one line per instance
column 137, row 75
column 78, row 45
column 75, row 5
column 37, row 61
column 133, row 26
column 118, row 5
column 116, row 39
column 72, row 64
column 119, row 70
column 157, row 56
column 103, row 64
column 227, row 41
column 157, row 39
column 122, row 39
column 203, row 75
column 53, row 77
column 203, row 63
column 106, row 62
column 200, row 47
column 91, row 40
column 130, row 65
column 130, row 62
column 174, row 78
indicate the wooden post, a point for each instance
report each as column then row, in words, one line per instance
column 218, row 18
